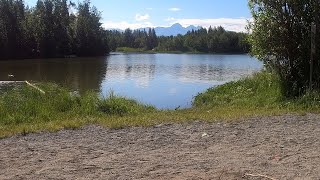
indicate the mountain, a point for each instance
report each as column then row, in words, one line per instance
column 174, row 30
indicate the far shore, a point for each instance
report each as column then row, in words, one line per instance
column 174, row 52
column 138, row 51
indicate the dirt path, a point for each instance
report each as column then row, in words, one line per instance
column 286, row 147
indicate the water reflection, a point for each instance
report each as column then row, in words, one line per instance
column 187, row 68
column 124, row 67
column 163, row 80
column 79, row 74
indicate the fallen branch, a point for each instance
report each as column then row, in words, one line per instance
column 35, row 87
column 260, row 175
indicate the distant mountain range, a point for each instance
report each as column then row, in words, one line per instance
column 174, row 30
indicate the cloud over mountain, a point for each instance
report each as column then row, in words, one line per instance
column 231, row 24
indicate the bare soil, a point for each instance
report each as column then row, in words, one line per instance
column 282, row 147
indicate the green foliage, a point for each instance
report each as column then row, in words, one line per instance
column 116, row 105
column 24, row 109
column 281, row 38
column 127, row 49
column 213, row 40
column 90, row 37
column 261, row 90
column 12, row 28
column 87, row 104
column 138, row 39
column 27, row 105
column 260, row 93
column 50, row 30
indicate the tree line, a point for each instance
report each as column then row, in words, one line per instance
column 142, row 39
column 212, row 40
column 53, row 28
column 60, row 28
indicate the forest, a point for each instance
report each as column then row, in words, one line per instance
column 211, row 40
column 53, row 28
column 61, row 28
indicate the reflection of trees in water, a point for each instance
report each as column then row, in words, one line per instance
column 140, row 71
column 143, row 70
column 89, row 73
column 79, row 74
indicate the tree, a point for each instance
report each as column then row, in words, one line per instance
column 214, row 40
column 281, row 39
column 45, row 26
column 12, row 19
column 152, row 40
column 91, row 38
column 61, row 29
column 49, row 30
column 128, row 38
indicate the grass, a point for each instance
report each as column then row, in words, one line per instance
column 261, row 90
column 25, row 110
column 130, row 50
column 260, row 93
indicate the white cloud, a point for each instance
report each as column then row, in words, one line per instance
column 124, row 25
column 231, row 24
column 149, row 9
column 174, row 9
column 140, row 17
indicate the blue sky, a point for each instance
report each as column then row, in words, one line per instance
column 231, row 14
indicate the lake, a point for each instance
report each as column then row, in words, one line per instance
column 166, row 81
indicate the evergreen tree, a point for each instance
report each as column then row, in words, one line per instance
column 12, row 19
column 49, row 30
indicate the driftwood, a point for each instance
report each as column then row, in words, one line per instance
column 35, row 87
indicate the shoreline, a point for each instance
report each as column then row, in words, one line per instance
column 174, row 52
column 35, row 111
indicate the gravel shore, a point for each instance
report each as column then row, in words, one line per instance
column 280, row 147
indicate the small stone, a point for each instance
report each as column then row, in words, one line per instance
column 204, row 135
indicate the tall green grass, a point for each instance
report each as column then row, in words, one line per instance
column 24, row 109
column 260, row 91
column 27, row 105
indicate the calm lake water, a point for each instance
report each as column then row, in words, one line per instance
column 163, row 80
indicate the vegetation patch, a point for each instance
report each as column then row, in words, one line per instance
column 26, row 106
column 24, row 109
column 129, row 50
column 261, row 93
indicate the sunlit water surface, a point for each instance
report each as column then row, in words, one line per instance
column 166, row 81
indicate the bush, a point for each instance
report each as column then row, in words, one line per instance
column 281, row 38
